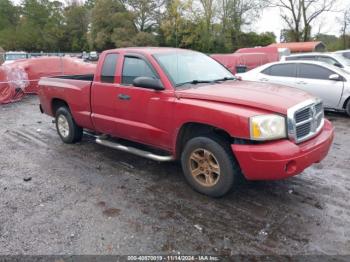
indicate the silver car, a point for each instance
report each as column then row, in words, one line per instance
column 330, row 83
column 344, row 53
column 335, row 59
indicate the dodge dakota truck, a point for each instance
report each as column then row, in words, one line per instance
column 171, row 104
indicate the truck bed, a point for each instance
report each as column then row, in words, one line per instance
column 73, row 90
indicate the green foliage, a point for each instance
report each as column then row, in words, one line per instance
column 75, row 27
column 8, row 14
column 206, row 25
column 333, row 42
column 9, row 17
column 2, row 53
column 112, row 25
column 254, row 39
column 144, row 39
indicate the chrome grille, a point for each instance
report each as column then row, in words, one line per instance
column 319, row 107
column 303, row 130
column 303, row 115
column 305, row 120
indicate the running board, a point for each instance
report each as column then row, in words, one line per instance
column 133, row 150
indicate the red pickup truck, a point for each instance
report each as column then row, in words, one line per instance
column 172, row 104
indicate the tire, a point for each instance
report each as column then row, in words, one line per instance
column 66, row 127
column 214, row 154
column 347, row 108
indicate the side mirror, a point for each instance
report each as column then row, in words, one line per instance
column 335, row 77
column 148, row 82
column 338, row 65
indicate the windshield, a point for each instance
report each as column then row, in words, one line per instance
column 191, row 67
column 10, row 57
column 345, row 61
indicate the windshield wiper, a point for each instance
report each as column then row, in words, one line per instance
column 224, row 79
column 194, row 82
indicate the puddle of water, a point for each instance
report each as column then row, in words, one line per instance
column 111, row 212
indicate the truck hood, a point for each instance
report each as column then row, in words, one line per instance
column 270, row 97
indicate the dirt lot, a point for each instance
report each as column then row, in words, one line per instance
column 87, row 199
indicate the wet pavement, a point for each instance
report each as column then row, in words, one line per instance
column 88, row 199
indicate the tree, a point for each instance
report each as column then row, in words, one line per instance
column 345, row 24
column 238, row 13
column 144, row 39
column 300, row 14
column 111, row 25
column 145, row 13
column 76, row 27
column 89, row 4
column 331, row 41
column 9, row 17
column 2, row 53
column 8, row 14
column 173, row 22
column 208, row 13
column 53, row 31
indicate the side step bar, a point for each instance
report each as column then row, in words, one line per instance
column 133, row 150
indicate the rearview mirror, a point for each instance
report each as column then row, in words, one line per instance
column 335, row 77
column 148, row 82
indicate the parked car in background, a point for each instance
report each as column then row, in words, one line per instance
column 170, row 104
column 335, row 59
column 330, row 83
column 344, row 53
column 93, row 56
column 13, row 56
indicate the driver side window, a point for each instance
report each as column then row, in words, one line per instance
column 135, row 67
column 314, row 72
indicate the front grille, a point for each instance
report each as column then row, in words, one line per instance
column 305, row 120
column 303, row 130
column 303, row 115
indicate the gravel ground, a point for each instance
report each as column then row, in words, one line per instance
column 88, row 199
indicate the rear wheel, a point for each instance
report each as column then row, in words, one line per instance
column 209, row 166
column 66, row 127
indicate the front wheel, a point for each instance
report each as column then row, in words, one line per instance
column 66, row 127
column 209, row 166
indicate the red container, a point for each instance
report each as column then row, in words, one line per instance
column 22, row 76
column 249, row 60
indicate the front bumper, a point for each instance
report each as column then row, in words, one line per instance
column 281, row 159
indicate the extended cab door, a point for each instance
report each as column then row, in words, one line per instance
column 315, row 80
column 104, row 92
column 143, row 115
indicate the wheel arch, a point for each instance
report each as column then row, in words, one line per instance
column 346, row 102
column 194, row 129
column 56, row 103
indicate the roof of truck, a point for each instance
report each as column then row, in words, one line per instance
column 150, row 50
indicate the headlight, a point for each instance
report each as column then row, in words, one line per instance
column 267, row 127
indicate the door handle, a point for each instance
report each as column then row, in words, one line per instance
column 263, row 80
column 301, row 83
column 124, row 97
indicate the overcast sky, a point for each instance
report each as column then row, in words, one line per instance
column 270, row 20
